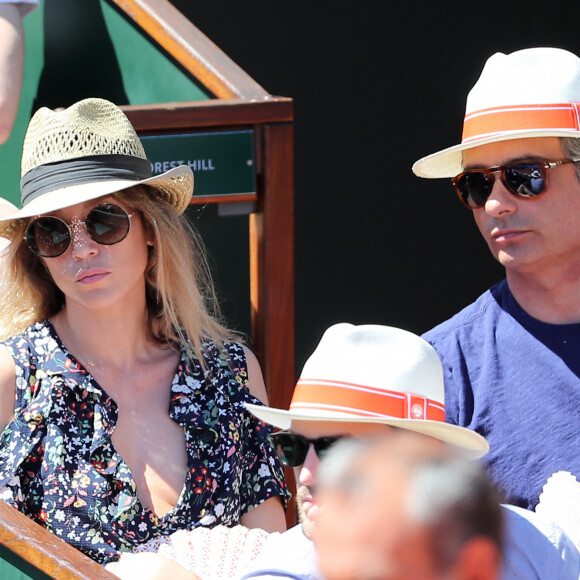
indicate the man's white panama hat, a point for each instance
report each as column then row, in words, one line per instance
column 533, row 92
column 84, row 152
column 374, row 374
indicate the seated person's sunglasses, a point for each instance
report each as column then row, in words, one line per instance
column 106, row 224
column 292, row 448
column 525, row 179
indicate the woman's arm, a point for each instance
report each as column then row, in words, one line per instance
column 269, row 515
column 255, row 378
column 7, row 387
column 11, row 66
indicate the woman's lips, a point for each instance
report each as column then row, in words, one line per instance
column 91, row 276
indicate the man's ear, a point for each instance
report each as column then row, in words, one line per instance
column 479, row 559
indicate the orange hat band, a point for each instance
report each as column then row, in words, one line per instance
column 363, row 401
column 495, row 121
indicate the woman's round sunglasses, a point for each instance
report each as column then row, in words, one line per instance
column 106, row 224
column 292, row 448
column 524, row 179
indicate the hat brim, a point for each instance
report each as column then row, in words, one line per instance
column 175, row 185
column 471, row 443
column 449, row 162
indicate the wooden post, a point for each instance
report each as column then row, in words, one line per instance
column 272, row 261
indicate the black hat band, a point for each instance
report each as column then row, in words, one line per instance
column 82, row 170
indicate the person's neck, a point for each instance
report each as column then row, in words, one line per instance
column 553, row 297
column 117, row 337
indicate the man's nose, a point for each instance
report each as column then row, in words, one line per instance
column 307, row 475
column 500, row 200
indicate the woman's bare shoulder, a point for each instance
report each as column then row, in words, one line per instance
column 255, row 378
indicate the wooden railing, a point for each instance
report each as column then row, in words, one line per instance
column 192, row 49
column 44, row 552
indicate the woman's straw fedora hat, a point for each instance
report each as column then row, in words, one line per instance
column 529, row 93
column 87, row 151
column 374, row 374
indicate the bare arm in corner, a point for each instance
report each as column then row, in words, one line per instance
column 11, row 66
column 7, row 387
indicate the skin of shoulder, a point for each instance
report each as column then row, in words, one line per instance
column 7, row 387
column 255, row 378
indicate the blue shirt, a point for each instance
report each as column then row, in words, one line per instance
column 515, row 380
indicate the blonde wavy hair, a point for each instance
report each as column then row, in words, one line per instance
column 181, row 302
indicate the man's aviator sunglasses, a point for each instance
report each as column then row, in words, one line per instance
column 292, row 448
column 526, row 179
column 106, row 224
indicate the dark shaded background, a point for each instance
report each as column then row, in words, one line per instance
column 376, row 86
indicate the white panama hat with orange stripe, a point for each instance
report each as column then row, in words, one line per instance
column 533, row 92
column 374, row 374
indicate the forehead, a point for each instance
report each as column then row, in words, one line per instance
column 313, row 429
column 541, row 148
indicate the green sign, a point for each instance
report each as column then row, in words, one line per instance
column 222, row 162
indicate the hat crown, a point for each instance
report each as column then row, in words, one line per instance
column 90, row 127
column 380, row 357
column 529, row 93
column 531, row 76
column 374, row 374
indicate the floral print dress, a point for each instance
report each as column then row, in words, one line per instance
column 59, row 467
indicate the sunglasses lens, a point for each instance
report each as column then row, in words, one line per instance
column 323, row 444
column 474, row 187
column 48, row 237
column 291, row 449
column 108, row 224
column 526, row 179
